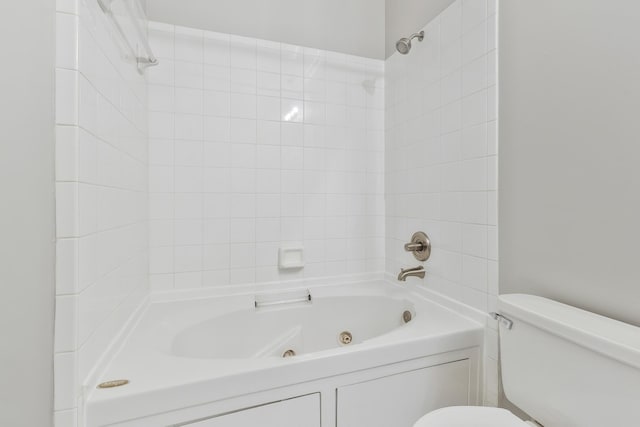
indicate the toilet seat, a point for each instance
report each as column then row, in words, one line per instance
column 470, row 416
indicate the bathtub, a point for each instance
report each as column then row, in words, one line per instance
column 319, row 351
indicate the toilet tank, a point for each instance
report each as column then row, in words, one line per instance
column 568, row 367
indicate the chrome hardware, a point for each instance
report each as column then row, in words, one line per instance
column 504, row 321
column 413, row 247
column 272, row 300
column 345, row 338
column 112, row 384
column 142, row 62
column 407, row 316
column 404, row 44
column 413, row 272
column 289, row 353
column 420, row 245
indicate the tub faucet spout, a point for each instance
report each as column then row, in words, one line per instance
column 413, row 272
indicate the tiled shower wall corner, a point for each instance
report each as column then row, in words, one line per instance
column 101, row 196
column 441, row 159
column 257, row 145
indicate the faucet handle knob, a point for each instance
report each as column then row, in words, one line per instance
column 413, row 247
column 420, row 245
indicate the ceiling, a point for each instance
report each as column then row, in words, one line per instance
column 349, row 26
column 359, row 27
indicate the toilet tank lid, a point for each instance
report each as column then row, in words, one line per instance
column 612, row 338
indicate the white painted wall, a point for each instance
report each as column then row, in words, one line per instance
column 27, row 215
column 569, row 175
column 101, row 196
column 441, row 160
column 259, row 145
column 355, row 27
column 405, row 17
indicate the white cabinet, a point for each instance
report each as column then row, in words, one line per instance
column 392, row 395
column 299, row 412
column 400, row 400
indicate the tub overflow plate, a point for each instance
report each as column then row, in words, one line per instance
column 345, row 338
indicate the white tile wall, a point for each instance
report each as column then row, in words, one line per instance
column 441, row 157
column 101, row 196
column 256, row 145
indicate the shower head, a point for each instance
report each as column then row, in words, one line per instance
column 404, row 44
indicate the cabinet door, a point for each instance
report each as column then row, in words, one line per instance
column 400, row 400
column 298, row 412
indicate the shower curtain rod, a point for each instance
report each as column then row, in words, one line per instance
column 142, row 62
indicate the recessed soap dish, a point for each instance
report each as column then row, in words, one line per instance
column 291, row 258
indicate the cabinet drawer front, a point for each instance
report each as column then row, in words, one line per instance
column 400, row 400
column 298, row 412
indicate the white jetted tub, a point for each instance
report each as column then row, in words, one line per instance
column 319, row 354
column 292, row 324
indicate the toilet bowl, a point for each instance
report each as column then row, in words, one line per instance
column 561, row 365
column 471, row 416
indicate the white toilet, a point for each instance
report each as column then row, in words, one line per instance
column 564, row 366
